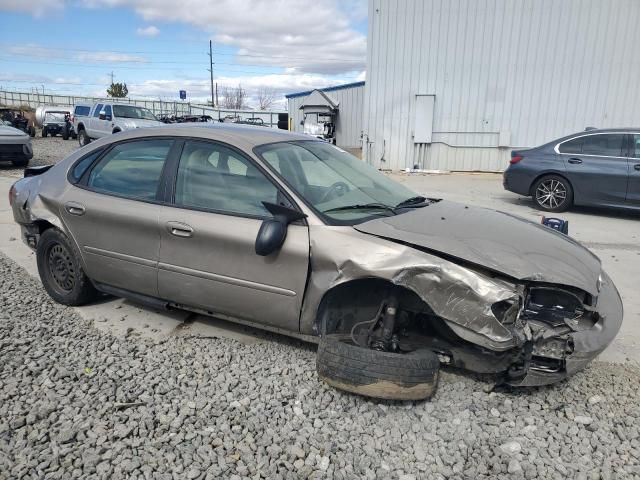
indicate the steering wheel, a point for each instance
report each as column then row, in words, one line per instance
column 338, row 189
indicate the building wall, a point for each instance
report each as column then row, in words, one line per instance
column 349, row 121
column 531, row 69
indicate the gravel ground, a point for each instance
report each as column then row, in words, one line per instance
column 78, row 403
column 45, row 151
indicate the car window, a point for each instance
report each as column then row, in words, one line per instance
column 609, row 145
column 82, row 111
column 635, row 152
column 214, row 177
column 107, row 111
column 131, row 169
column 81, row 166
column 571, row 146
column 96, row 112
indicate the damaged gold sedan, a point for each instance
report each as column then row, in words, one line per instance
column 290, row 234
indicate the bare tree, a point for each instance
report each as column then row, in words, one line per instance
column 234, row 98
column 266, row 98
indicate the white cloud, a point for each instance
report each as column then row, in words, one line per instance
column 310, row 36
column 109, row 57
column 150, row 31
column 37, row 8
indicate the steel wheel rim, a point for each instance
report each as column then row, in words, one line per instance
column 551, row 193
column 61, row 268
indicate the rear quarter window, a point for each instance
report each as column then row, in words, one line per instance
column 82, row 111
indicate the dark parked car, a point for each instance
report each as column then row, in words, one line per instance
column 291, row 234
column 599, row 168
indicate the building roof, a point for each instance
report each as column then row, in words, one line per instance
column 328, row 89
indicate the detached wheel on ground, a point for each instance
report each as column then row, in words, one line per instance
column 372, row 373
column 83, row 138
column 60, row 270
column 552, row 193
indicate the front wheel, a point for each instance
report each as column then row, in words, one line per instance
column 552, row 193
column 44, row 132
column 61, row 271
column 372, row 373
column 83, row 138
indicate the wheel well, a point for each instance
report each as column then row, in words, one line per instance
column 116, row 130
column 43, row 225
column 358, row 300
column 557, row 174
column 80, row 126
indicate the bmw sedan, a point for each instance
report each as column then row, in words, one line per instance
column 294, row 235
column 599, row 168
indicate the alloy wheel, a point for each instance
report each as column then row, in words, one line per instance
column 551, row 193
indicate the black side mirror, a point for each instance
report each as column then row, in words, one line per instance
column 273, row 231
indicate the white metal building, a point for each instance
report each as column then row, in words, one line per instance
column 349, row 100
column 456, row 84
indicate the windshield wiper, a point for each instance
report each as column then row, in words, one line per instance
column 364, row 206
column 411, row 202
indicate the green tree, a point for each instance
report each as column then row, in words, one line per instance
column 118, row 90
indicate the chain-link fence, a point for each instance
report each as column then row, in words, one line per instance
column 158, row 107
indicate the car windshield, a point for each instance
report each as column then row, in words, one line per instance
column 131, row 111
column 337, row 185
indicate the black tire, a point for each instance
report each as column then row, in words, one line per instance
column 44, row 132
column 65, row 135
column 283, row 117
column 83, row 138
column 552, row 193
column 394, row 376
column 74, row 135
column 61, row 271
column 32, row 132
column 283, row 125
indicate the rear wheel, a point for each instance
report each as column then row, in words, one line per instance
column 552, row 193
column 61, row 271
column 377, row 374
column 83, row 138
column 44, row 132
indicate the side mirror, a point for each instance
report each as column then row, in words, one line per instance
column 273, row 231
column 102, row 115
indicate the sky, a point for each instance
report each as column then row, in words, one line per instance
column 159, row 47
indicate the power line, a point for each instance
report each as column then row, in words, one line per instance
column 182, row 53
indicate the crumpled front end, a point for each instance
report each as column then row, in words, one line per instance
column 530, row 332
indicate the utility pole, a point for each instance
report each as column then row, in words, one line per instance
column 111, row 75
column 213, row 99
column 217, row 94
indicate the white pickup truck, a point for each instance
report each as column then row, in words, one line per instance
column 108, row 118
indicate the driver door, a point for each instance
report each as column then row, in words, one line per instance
column 207, row 253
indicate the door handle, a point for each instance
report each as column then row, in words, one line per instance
column 180, row 229
column 74, row 208
column 637, row 166
column 575, row 161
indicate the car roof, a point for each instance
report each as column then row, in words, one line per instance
column 245, row 136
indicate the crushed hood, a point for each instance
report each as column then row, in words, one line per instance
column 493, row 240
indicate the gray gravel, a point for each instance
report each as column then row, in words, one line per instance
column 78, row 403
column 45, row 152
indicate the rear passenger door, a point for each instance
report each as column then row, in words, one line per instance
column 112, row 213
column 207, row 254
column 597, row 167
column 633, row 193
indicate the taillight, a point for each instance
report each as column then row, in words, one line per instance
column 515, row 159
column 12, row 195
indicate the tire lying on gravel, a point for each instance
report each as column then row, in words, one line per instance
column 61, row 270
column 372, row 373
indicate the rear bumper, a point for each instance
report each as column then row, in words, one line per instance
column 516, row 181
column 588, row 344
column 16, row 151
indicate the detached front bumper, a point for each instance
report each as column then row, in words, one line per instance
column 587, row 344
